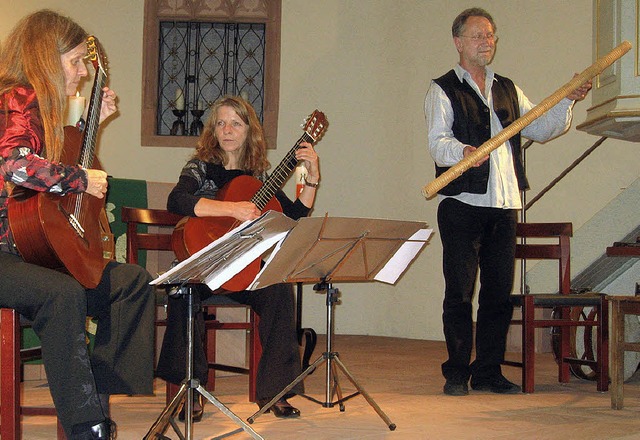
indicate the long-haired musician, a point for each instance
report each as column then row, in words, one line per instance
column 232, row 144
column 41, row 63
column 477, row 211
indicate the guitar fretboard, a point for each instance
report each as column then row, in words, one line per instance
column 279, row 175
column 87, row 153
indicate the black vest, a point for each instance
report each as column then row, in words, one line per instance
column 472, row 126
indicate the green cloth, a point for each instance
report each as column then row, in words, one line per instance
column 124, row 192
column 28, row 339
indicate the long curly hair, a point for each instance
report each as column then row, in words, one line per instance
column 254, row 155
column 30, row 57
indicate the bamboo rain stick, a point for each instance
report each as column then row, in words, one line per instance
column 519, row 124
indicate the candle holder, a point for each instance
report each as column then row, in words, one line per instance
column 196, row 125
column 178, row 128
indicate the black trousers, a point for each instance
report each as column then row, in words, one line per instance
column 121, row 361
column 476, row 238
column 280, row 362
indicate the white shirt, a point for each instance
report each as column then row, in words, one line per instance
column 446, row 150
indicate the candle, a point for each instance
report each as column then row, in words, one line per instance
column 179, row 99
column 300, row 176
column 75, row 109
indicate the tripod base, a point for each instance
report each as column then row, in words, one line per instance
column 184, row 397
column 330, row 358
column 331, row 377
column 167, row 417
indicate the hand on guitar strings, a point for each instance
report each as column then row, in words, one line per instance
column 96, row 183
column 242, row 210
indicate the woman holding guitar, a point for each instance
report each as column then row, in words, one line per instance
column 232, row 145
column 41, row 63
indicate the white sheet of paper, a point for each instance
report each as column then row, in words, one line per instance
column 254, row 284
column 225, row 257
column 401, row 259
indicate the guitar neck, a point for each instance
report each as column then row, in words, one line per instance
column 279, row 175
column 87, row 151
column 93, row 120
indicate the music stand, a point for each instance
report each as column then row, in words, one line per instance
column 324, row 250
column 213, row 266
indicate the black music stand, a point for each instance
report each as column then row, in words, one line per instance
column 323, row 250
column 213, row 266
column 189, row 386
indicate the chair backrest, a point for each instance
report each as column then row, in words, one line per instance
column 152, row 240
column 558, row 250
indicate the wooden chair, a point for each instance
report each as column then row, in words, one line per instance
column 620, row 307
column 11, row 357
column 562, row 320
column 160, row 239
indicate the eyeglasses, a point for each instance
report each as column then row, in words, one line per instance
column 479, row 37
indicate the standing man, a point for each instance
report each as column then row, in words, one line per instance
column 477, row 212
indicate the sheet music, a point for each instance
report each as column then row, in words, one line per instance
column 345, row 249
column 407, row 252
column 312, row 248
column 225, row 257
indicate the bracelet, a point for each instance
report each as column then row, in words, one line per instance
column 311, row 185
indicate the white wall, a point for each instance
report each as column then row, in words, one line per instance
column 367, row 65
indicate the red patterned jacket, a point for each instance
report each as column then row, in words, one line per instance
column 21, row 151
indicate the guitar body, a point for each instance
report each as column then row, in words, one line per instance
column 44, row 232
column 66, row 232
column 195, row 233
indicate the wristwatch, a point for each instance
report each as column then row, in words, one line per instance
column 312, row 185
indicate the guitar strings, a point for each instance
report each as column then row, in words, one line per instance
column 88, row 141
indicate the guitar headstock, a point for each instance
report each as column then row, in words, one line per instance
column 315, row 125
column 94, row 54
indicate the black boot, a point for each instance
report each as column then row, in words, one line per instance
column 281, row 408
column 105, row 430
column 198, row 409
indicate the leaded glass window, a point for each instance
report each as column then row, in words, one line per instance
column 198, row 63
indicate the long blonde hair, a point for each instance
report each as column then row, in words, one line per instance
column 30, row 56
column 254, row 156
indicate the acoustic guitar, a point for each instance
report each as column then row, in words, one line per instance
column 65, row 232
column 192, row 234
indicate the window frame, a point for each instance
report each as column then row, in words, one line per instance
column 239, row 11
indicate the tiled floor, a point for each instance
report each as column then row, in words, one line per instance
column 403, row 378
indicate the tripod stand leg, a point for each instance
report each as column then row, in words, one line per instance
column 227, row 412
column 336, row 389
column 297, row 380
column 374, row 405
column 157, row 430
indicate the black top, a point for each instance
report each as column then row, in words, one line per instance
column 202, row 179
